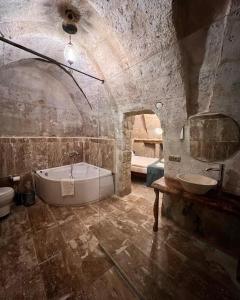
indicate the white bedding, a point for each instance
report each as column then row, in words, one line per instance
column 139, row 164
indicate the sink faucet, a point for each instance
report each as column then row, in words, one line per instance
column 221, row 173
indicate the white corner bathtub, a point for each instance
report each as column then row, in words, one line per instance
column 90, row 184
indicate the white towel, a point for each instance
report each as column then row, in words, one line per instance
column 67, row 187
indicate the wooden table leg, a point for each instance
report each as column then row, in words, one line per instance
column 156, row 210
column 238, row 270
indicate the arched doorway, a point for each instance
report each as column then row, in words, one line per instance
column 125, row 145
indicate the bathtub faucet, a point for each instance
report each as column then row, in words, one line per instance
column 72, row 155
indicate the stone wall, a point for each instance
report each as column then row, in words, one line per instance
column 38, row 99
column 20, row 156
column 145, row 127
column 35, row 103
column 202, row 76
column 182, row 53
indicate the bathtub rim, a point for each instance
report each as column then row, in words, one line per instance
column 48, row 178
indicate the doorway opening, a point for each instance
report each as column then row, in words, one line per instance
column 147, row 162
column 141, row 151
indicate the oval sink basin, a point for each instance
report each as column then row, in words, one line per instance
column 196, row 184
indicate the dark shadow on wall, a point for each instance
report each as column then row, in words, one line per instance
column 231, row 184
column 192, row 20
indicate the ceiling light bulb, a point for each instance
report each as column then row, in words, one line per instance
column 69, row 53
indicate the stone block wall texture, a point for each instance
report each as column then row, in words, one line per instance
column 194, row 69
column 182, row 53
column 20, row 156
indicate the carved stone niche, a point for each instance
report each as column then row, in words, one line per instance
column 214, row 137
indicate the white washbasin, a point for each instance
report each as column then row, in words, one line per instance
column 196, row 184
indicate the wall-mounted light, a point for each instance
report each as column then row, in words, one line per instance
column 158, row 131
column 159, row 105
column 69, row 52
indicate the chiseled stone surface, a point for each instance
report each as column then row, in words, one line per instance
column 20, row 156
column 183, row 55
column 59, row 255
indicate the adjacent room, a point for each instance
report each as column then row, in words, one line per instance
column 119, row 149
column 147, row 162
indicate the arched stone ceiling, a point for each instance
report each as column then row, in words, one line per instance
column 114, row 37
column 36, row 24
column 131, row 44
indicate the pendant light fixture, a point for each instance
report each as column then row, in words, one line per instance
column 69, row 52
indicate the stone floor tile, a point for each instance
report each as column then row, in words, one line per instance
column 139, row 188
column 62, row 213
column 84, row 244
column 89, row 267
column 203, row 286
column 15, row 225
column 169, row 264
column 104, row 206
column 221, row 265
column 48, row 242
column 59, row 280
column 90, row 216
column 16, row 258
column 112, row 239
column 121, row 204
column 111, row 286
column 126, row 226
column 72, row 229
column 167, row 259
column 84, row 212
column 40, row 217
column 187, row 245
column 145, row 276
column 136, row 217
column 28, row 286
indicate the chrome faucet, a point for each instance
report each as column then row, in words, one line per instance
column 72, row 155
column 221, row 173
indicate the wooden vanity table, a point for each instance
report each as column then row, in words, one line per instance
column 222, row 203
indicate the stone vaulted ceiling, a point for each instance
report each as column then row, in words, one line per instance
column 113, row 36
column 146, row 51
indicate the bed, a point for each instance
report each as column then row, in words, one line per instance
column 151, row 167
column 139, row 164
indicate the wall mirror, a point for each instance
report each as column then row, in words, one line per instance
column 214, row 137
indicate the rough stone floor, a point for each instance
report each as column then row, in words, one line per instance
column 53, row 253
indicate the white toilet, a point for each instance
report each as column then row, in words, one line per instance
column 6, row 199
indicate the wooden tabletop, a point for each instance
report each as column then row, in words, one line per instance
column 225, row 202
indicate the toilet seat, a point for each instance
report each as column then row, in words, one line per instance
column 6, row 192
column 6, row 199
